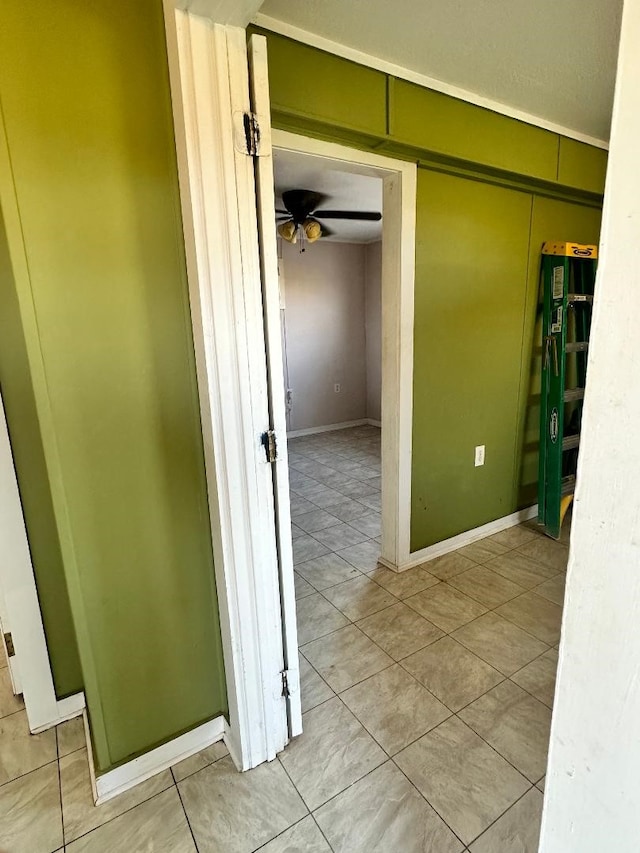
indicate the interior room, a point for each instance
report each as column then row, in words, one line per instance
column 318, row 392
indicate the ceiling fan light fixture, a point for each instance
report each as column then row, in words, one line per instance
column 312, row 230
column 288, row 231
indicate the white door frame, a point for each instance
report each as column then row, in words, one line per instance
column 20, row 608
column 398, row 281
column 210, row 92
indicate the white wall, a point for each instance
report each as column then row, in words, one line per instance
column 373, row 327
column 592, row 797
column 325, row 333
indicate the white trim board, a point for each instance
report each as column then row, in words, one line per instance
column 416, row 558
column 298, row 433
column 398, row 279
column 367, row 59
column 126, row 776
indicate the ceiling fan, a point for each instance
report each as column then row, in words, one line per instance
column 301, row 216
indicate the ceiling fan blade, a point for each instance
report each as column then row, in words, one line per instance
column 281, row 217
column 286, row 212
column 327, row 232
column 363, row 215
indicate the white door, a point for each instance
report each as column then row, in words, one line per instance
column 265, row 202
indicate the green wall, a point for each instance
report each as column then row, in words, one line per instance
column 491, row 190
column 104, row 311
column 35, row 494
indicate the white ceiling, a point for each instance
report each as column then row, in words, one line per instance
column 346, row 190
column 554, row 59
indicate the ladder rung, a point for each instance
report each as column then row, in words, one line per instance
column 568, row 485
column 576, row 346
column 573, row 394
column 579, row 297
column 570, row 442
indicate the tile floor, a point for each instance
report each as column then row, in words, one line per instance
column 426, row 699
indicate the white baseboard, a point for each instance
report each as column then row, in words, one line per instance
column 297, row 433
column 120, row 779
column 374, row 423
column 447, row 545
column 66, row 709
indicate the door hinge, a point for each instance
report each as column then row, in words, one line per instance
column 270, row 445
column 251, row 134
column 285, row 683
column 8, row 641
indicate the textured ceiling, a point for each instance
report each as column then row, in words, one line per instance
column 554, row 59
column 346, row 190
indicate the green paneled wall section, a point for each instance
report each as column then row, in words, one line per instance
column 323, row 95
column 85, row 98
column 486, row 203
column 426, row 119
column 581, row 165
column 35, row 494
column 472, row 243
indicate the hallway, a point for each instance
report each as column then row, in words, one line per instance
column 426, row 694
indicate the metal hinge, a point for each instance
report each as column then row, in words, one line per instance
column 8, row 641
column 270, row 445
column 285, row 683
column 251, row 134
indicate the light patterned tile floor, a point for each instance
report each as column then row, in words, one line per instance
column 426, row 700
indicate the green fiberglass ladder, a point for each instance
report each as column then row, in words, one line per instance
column 569, row 272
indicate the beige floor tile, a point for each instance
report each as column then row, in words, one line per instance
column 326, row 571
column 541, row 783
column 191, row 765
column 313, row 690
column 500, row 643
column 296, row 532
column 553, row 589
column 452, row 673
column 364, row 556
column 521, row 569
column 238, row 812
column 159, row 825
column 302, row 587
column 465, row 781
column 9, row 703
column 383, row 813
column 513, row 537
column 305, row 548
column 345, row 657
column 300, row 505
column 21, row 752
column 515, row 724
column 485, row 586
column 539, row 677
column 316, row 519
column 71, row 736
column 534, row 614
column 317, row 617
column 399, row 630
column 403, row 584
column 517, row 830
column 445, row 606
column 394, row 708
column 339, row 536
column 30, row 813
column 448, row 565
column 79, row 812
column 359, row 597
column 333, row 752
column 371, row 524
column 483, row 550
column 546, row 551
column 304, row 837
column 343, row 507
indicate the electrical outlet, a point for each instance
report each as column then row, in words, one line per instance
column 337, row 388
column 479, row 455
